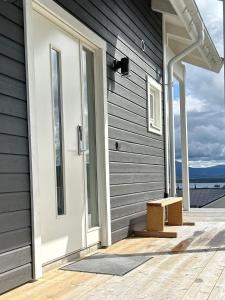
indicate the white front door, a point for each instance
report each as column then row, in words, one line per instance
column 64, row 81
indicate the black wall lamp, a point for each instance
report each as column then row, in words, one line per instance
column 123, row 64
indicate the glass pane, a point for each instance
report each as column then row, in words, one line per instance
column 157, row 111
column 152, row 106
column 89, row 132
column 56, row 94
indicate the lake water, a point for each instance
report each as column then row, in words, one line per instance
column 202, row 185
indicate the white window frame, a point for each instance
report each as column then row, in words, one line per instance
column 154, row 89
column 66, row 21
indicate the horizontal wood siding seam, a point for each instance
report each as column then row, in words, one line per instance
column 133, row 178
column 11, row 68
column 15, row 201
column 12, row 13
column 15, row 277
column 11, row 202
column 126, row 189
column 15, row 259
column 135, row 148
column 11, row 49
column 11, row 30
column 128, row 220
column 136, row 198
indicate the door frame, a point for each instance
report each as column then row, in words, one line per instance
column 67, row 22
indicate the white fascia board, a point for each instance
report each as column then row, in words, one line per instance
column 163, row 6
column 190, row 18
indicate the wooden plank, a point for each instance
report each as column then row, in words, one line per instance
column 132, row 221
column 115, row 167
column 146, row 33
column 120, row 234
column 18, row 3
column 11, row 12
column 11, row 49
column 10, row 144
column 10, row 183
column 165, row 201
column 119, row 112
column 117, row 26
column 175, row 214
column 131, row 178
column 128, row 83
column 12, row 68
column 196, row 271
column 119, row 123
column 128, row 104
column 13, row 107
column 14, row 220
column 155, row 218
column 15, row 239
column 120, row 134
column 118, row 201
column 13, row 126
column 124, row 157
column 14, row 164
column 12, row 87
column 148, row 16
column 122, row 91
column 14, row 259
column 122, row 211
column 14, row 202
column 15, row 277
column 11, row 30
column 135, row 148
column 124, row 189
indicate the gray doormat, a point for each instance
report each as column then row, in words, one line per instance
column 111, row 264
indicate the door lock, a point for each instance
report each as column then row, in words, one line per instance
column 82, row 144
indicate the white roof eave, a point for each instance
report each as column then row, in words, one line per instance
column 189, row 17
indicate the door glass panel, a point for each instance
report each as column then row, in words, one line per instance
column 89, row 132
column 56, row 94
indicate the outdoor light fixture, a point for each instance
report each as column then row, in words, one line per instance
column 124, row 65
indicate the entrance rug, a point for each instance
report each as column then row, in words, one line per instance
column 110, row 264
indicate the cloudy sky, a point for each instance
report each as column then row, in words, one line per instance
column 205, row 100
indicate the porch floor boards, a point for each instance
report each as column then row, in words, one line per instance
column 191, row 266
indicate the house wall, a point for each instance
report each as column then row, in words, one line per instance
column 137, row 171
column 15, row 221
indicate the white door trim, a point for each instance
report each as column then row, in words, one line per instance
column 53, row 11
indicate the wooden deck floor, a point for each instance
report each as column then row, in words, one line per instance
column 189, row 267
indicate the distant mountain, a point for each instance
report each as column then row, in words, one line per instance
column 209, row 172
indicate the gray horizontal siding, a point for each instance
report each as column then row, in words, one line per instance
column 14, row 259
column 137, row 167
column 15, row 215
column 15, row 277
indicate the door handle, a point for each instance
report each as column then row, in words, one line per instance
column 81, row 143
